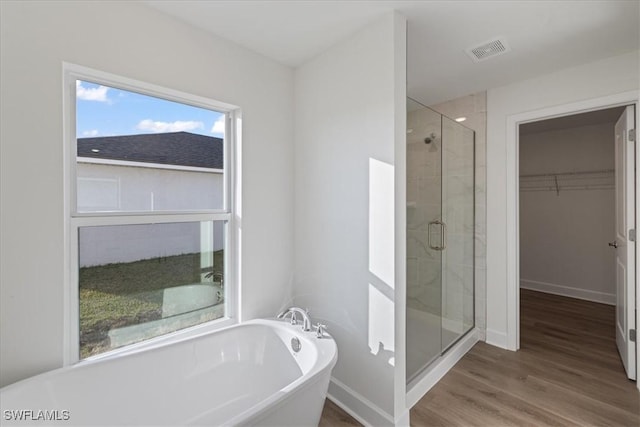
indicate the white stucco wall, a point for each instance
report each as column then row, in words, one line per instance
column 135, row 41
column 108, row 187
column 104, row 187
column 128, row 243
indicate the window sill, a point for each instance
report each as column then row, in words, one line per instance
column 163, row 340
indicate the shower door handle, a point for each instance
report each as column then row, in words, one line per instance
column 443, row 233
column 429, row 227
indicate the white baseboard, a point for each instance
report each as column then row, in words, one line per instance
column 359, row 407
column 567, row 291
column 403, row 419
column 421, row 385
column 497, row 339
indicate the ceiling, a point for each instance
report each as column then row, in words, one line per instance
column 544, row 36
column 599, row 117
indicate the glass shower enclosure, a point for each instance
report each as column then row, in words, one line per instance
column 440, row 235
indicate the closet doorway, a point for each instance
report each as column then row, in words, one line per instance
column 576, row 207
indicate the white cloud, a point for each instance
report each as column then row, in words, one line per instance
column 218, row 126
column 92, row 132
column 91, row 94
column 161, row 127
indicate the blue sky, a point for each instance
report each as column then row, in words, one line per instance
column 106, row 111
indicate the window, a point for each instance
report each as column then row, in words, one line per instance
column 150, row 180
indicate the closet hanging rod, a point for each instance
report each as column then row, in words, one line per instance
column 600, row 171
column 569, row 188
column 570, row 178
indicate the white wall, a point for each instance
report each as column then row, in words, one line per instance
column 598, row 79
column 138, row 42
column 350, row 200
column 564, row 236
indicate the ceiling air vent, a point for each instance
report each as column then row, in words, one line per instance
column 488, row 49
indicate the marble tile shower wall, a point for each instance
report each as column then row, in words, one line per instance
column 423, row 205
column 474, row 108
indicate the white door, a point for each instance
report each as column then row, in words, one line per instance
column 624, row 246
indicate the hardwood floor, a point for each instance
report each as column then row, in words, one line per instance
column 567, row 373
column 334, row 416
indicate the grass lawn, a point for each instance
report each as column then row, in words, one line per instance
column 123, row 294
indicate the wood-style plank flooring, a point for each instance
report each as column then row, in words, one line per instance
column 334, row 416
column 567, row 373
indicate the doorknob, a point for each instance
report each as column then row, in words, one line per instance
column 613, row 244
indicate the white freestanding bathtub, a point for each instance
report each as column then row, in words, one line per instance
column 247, row 374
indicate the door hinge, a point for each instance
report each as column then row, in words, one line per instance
column 632, row 134
column 632, row 335
column 632, row 235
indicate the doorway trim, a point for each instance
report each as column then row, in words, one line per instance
column 513, row 196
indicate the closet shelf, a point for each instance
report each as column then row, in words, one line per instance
column 602, row 179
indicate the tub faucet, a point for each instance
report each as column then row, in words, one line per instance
column 294, row 311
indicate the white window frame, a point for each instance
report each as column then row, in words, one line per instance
column 74, row 219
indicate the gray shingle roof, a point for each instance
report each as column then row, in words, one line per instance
column 176, row 148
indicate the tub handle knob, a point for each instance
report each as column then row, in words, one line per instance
column 320, row 329
column 284, row 314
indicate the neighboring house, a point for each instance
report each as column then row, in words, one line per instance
column 148, row 172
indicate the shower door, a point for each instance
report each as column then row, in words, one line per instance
column 440, row 235
column 458, row 202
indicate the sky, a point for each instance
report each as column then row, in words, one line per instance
column 106, row 111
